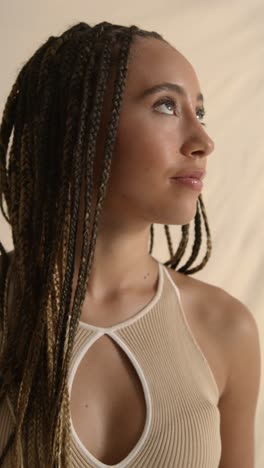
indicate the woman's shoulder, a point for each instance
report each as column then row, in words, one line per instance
column 208, row 294
column 212, row 303
column 222, row 324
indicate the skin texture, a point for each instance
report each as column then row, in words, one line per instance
column 154, row 142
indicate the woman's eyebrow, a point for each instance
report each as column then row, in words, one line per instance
column 176, row 88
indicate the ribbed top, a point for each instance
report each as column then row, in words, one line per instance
column 182, row 427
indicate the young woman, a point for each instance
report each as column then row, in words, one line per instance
column 109, row 357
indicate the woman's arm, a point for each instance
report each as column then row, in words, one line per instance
column 238, row 403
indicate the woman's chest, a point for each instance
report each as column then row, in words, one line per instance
column 108, row 406
column 108, row 403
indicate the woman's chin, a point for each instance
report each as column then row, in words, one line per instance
column 183, row 217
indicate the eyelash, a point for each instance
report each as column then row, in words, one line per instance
column 167, row 100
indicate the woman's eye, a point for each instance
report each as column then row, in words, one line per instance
column 200, row 114
column 168, row 103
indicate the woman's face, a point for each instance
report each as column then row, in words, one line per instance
column 155, row 140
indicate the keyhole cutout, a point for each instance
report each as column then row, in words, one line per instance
column 107, row 401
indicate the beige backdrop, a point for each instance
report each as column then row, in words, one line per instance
column 225, row 43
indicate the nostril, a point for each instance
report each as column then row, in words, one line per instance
column 198, row 153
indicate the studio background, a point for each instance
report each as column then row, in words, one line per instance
column 225, row 43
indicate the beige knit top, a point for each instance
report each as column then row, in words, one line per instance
column 182, row 427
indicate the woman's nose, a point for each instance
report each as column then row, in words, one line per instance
column 198, row 143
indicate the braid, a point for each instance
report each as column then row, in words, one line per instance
column 197, row 240
column 167, row 232
column 151, row 238
column 175, row 258
column 55, row 109
column 95, row 119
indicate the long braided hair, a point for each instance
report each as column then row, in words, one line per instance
column 54, row 109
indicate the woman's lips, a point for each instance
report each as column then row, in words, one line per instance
column 191, row 182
